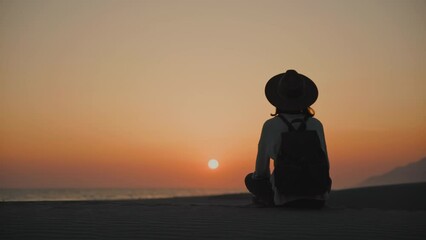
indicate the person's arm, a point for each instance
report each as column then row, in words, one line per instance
column 262, row 170
column 317, row 126
column 324, row 146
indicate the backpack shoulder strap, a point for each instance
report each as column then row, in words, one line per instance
column 302, row 126
column 289, row 125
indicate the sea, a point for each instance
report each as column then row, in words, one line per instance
column 74, row 194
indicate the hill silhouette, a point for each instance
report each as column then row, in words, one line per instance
column 411, row 173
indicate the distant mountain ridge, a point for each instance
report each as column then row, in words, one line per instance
column 411, row 173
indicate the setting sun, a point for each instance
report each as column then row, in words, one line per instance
column 213, row 164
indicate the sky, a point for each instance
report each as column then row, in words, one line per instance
column 141, row 94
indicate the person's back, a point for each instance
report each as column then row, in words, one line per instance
column 289, row 139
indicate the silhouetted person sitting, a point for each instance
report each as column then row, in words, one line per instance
column 294, row 139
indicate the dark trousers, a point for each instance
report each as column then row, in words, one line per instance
column 262, row 189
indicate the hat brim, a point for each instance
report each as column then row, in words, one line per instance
column 284, row 103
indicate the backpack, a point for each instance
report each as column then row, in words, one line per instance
column 301, row 167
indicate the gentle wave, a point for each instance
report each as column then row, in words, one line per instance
column 9, row 195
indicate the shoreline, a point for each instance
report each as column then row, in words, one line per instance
column 83, row 194
column 405, row 196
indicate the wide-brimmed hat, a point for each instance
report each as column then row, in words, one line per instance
column 291, row 91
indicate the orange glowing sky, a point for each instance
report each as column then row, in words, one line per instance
column 144, row 93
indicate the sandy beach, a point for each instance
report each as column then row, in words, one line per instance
column 387, row 212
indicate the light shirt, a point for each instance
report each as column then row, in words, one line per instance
column 269, row 147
